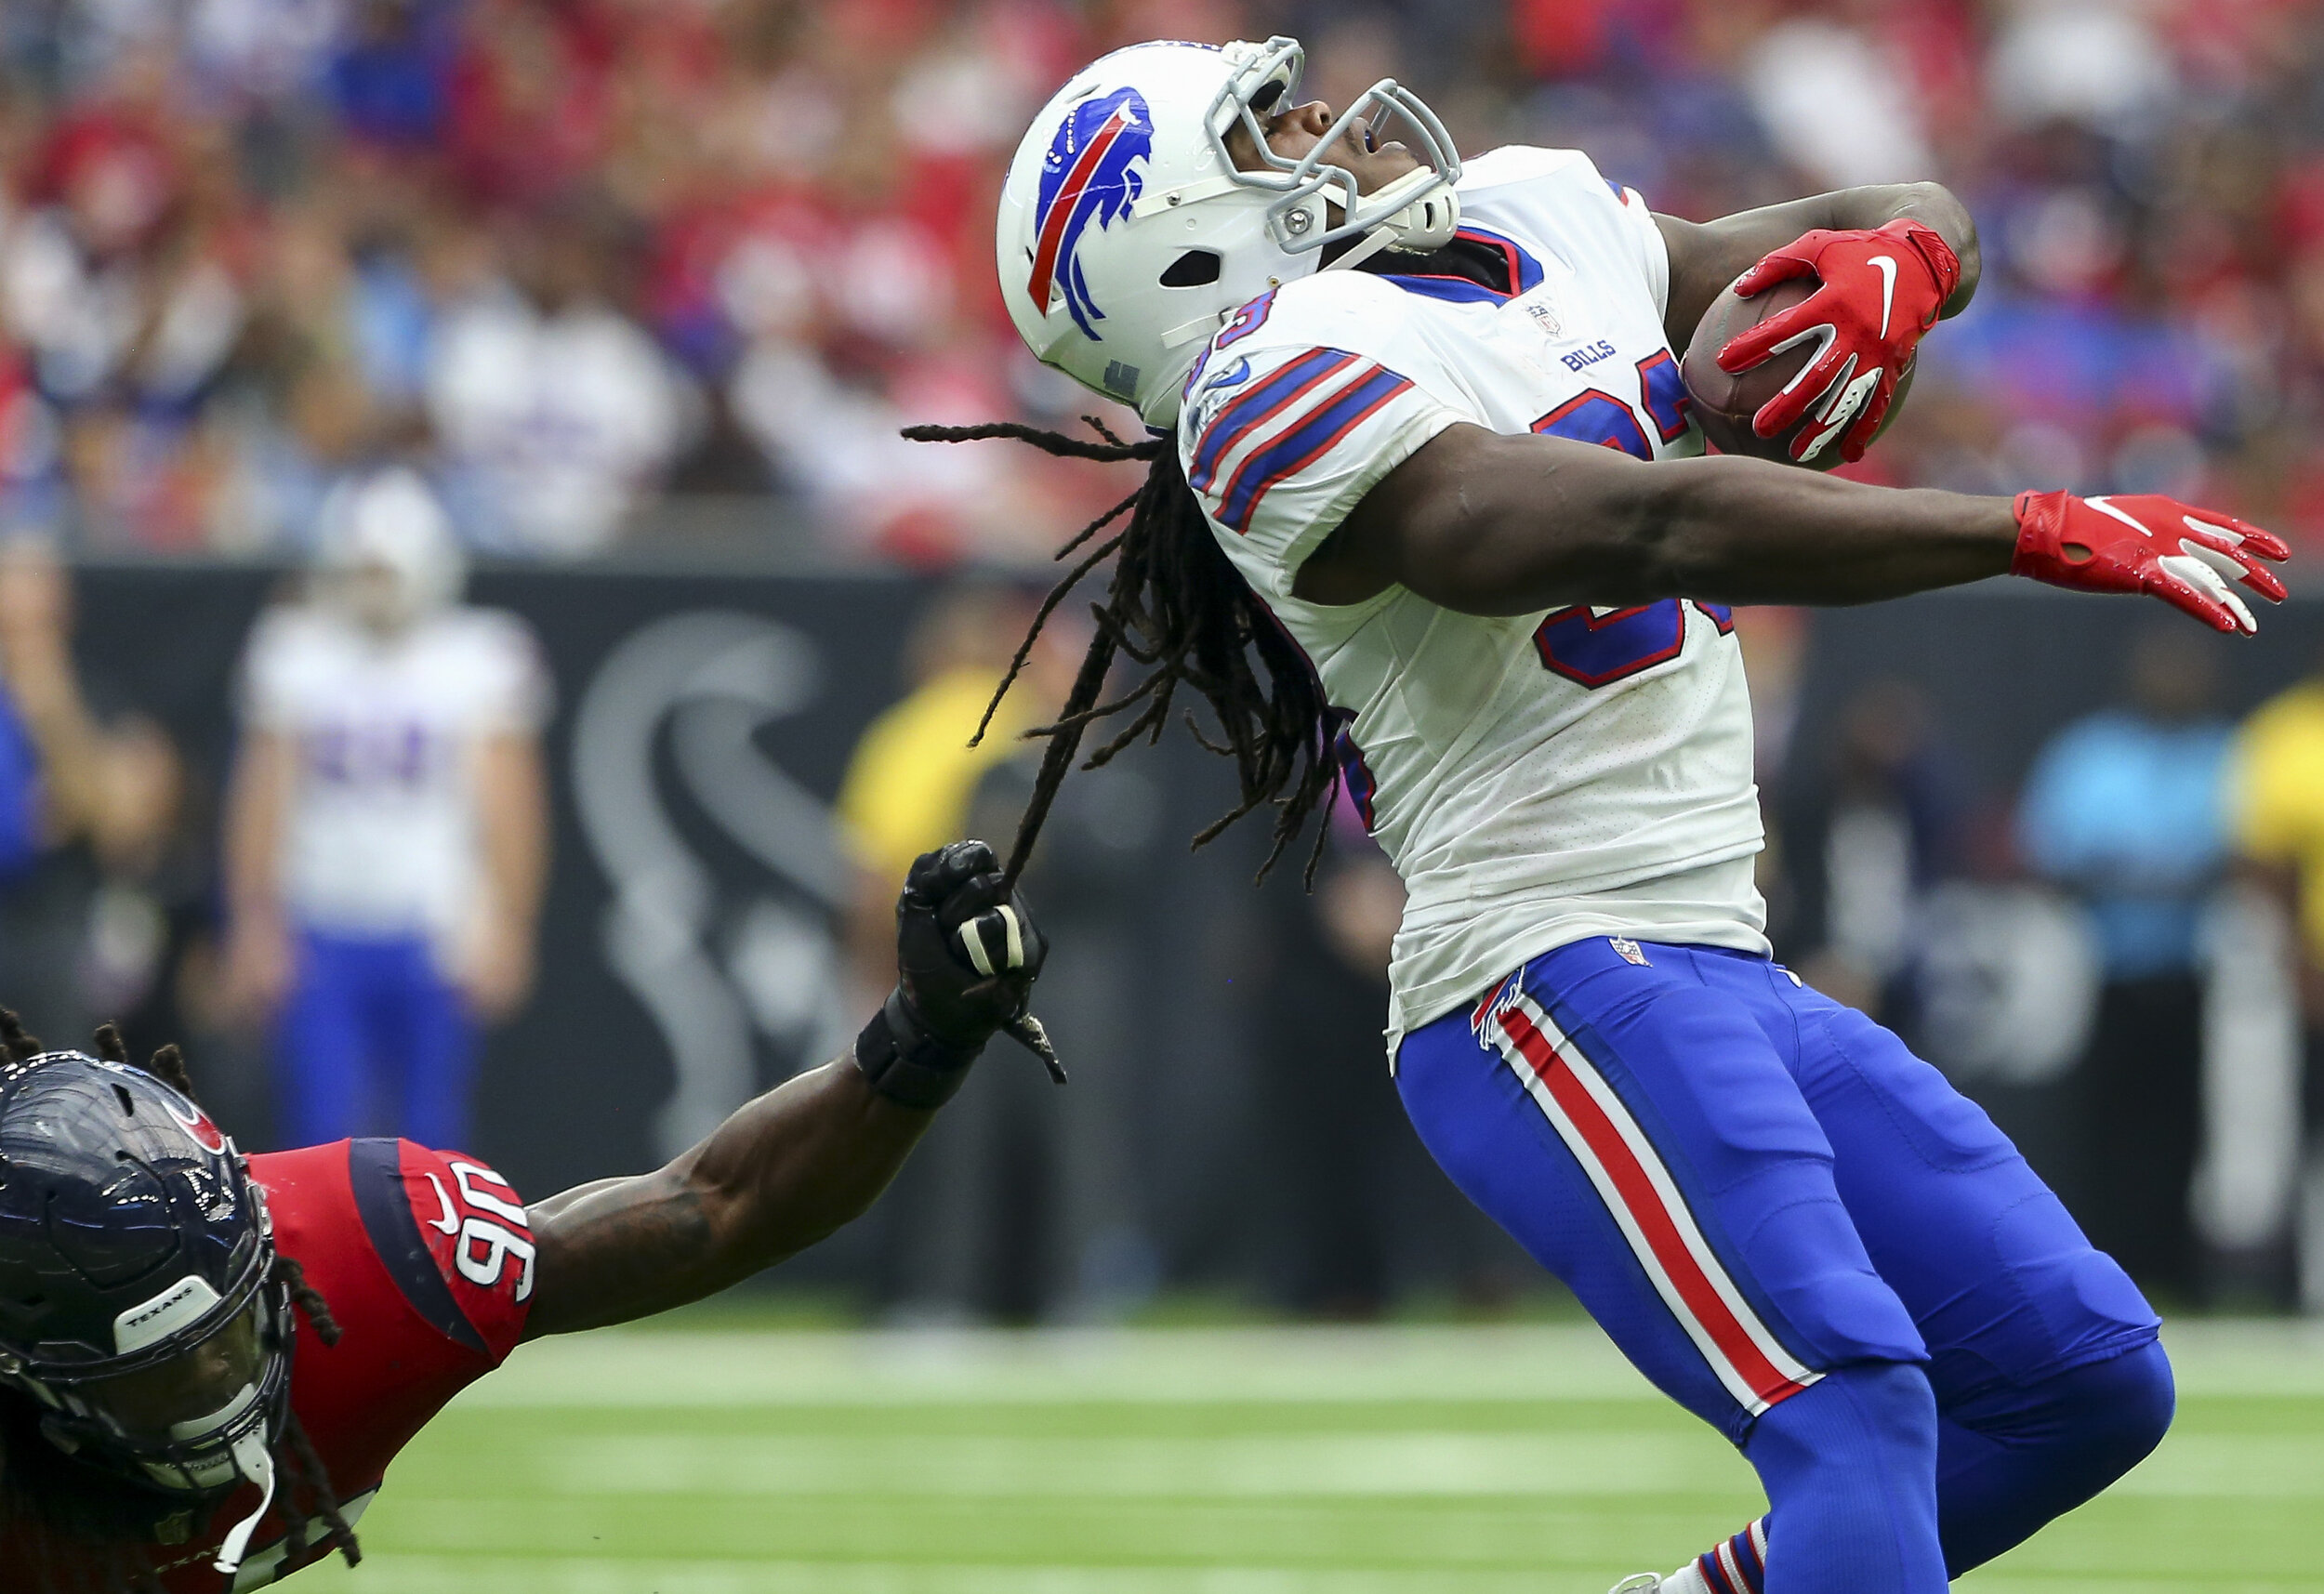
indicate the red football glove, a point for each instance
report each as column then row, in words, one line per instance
column 2144, row 542
column 1880, row 291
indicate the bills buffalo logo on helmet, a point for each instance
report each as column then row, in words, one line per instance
column 1086, row 177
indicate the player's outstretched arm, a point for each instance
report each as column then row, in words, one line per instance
column 806, row 1157
column 1494, row 524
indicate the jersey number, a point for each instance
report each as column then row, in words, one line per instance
column 489, row 1244
column 1595, row 650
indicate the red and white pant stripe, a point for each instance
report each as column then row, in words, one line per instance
column 1633, row 1179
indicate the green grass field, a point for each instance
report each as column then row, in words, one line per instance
column 725, row 1460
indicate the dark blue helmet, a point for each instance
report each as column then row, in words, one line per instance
column 139, row 1303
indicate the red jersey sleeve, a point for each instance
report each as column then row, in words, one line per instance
column 466, row 1223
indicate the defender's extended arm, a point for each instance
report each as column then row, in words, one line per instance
column 801, row 1160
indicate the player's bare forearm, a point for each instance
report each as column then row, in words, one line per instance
column 36, row 659
column 1744, row 531
column 1492, row 524
column 257, row 797
column 512, row 789
column 784, row 1171
column 806, row 1157
column 1706, row 257
column 512, row 822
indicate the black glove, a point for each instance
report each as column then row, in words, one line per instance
column 967, row 954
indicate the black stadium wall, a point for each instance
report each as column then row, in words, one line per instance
column 704, row 719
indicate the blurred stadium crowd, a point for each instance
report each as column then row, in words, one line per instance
column 576, row 256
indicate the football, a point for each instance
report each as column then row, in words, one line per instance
column 1724, row 404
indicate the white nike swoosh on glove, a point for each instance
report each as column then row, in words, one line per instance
column 2106, row 507
column 1888, row 287
column 447, row 1223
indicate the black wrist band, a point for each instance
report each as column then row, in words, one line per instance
column 904, row 1062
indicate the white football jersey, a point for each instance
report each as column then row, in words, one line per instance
column 1536, row 778
column 381, row 837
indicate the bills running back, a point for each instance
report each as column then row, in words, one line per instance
column 1536, row 778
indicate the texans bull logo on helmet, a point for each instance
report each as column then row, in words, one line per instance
column 196, row 1123
column 1086, row 177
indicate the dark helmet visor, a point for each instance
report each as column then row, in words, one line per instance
column 151, row 1405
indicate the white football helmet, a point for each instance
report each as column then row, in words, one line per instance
column 1126, row 234
column 391, row 528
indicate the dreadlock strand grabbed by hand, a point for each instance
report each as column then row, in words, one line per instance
column 1179, row 610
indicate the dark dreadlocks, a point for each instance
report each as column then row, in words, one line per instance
column 88, row 1507
column 1180, row 610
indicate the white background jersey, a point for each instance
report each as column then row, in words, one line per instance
column 381, row 836
column 1537, row 778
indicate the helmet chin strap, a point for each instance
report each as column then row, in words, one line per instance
column 255, row 1463
column 1378, row 237
column 247, row 1456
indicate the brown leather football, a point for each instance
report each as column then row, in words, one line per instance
column 1724, row 404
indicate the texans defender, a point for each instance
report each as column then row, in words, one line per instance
column 207, row 1361
column 1420, row 487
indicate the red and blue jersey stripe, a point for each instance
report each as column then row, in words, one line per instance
column 1309, row 440
column 1242, row 416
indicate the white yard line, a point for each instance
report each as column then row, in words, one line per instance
column 1422, row 1464
column 743, row 1368
column 1163, row 1367
column 390, row 1573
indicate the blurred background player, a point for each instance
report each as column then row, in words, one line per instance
column 1023, row 1206
column 49, row 780
column 91, row 819
column 914, row 770
column 2126, row 810
column 387, row 832
column 2277, row 793
column 1869, row 831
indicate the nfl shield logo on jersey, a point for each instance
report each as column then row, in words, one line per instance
column 1086, row 177
column 1628, row 950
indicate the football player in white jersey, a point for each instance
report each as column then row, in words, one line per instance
column 1420, row 502
column 386, row 830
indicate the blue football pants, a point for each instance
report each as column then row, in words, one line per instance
column 373, row 1039
column 1805, row 1236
